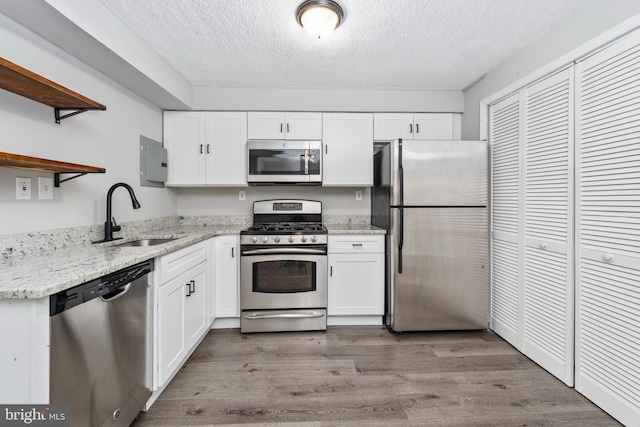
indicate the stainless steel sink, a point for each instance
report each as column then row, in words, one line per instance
column 147, row 242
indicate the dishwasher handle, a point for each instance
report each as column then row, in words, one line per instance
column 117, row 293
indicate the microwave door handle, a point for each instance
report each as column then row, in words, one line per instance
column 306, row 162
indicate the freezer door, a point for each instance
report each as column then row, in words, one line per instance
column 444, row 282
column 440, row 173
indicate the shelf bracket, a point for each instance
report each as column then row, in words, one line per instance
column 57, row 181
column 64, row 116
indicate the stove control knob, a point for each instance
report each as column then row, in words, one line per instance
column 277, row 239
column 265, row 239
column 254, row 239
column 290, row 239
column 303, row 239
column 314, row 239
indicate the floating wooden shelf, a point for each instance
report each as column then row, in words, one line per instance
column 35, row 163
column 33, row 86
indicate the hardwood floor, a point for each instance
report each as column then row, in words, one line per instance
column 366, row 376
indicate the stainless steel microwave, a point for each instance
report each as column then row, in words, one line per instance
column 284, row 162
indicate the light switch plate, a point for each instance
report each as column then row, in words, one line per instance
column 23, row 188
column 45, row 188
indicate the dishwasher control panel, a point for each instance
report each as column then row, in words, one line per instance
column 109, row 285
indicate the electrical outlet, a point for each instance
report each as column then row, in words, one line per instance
column 45, row 188
column 23, row 188
column 358, row 195
column 242, row 195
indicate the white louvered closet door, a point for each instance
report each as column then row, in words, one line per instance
column 608, row 229
column 504, row 138
column 548, row 220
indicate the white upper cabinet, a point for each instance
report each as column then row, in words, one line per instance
column 348, row 149
column 281, row 125
column 439, row 126
column 226, row 136
column 184, row 139
column 206, row 148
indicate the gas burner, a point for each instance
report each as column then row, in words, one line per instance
column 282, row 222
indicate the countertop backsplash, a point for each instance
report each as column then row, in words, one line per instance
column 33, row 242
column 346, row 219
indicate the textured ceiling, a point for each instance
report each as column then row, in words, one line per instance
column 382, row 44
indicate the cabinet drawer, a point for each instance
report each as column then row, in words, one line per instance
column 356, row 244
column 176, row 263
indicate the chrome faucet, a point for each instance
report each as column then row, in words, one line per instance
column 110, row 224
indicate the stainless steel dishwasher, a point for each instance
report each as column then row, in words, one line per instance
column 101, row 336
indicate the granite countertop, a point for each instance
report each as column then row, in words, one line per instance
column 44, row 273
column 354, row 229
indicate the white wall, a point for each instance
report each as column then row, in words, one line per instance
column 215, row 98
column 224, row 201
column 108, row 139
column 596, row 18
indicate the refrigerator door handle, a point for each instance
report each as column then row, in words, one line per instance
column 401, row 182
column 400, row 239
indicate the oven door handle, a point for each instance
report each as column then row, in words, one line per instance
column 296, row 315
column 276, row 251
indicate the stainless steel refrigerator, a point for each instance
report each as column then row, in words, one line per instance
column 431, row 197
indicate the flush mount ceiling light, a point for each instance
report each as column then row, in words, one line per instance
column 319, row 17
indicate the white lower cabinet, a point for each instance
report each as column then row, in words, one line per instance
column 356, row 276
column 182, row 317
column 227, row 266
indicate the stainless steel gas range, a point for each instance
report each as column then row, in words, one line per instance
column 283, row 268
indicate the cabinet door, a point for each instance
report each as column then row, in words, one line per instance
column 172, row 340
column 196, row 305
column 226, row 148
column 356, row 284
column 266, row 125
column 389, row 126
column 184, row 139
column 211, row 281
column 608, row 229
column 227, row 286
column 305, row 126
column 548, row 220
column 504, row 139
column 433, row 126
column 348, row 149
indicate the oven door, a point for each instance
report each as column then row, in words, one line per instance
column 270, row 162
column 283, row 278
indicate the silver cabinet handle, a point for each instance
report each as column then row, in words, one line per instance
column 287, row 127
column 331, row 271
column 280, row 127
column 233, row 252
column 188, row 285
column 326, row 149
column 201, row 148
column 410, row 127
column 417, row 128
column 208, row 145
column 193, row 283
column 357, row 245
column 298, row 315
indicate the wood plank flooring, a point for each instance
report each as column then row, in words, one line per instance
column 366, row 376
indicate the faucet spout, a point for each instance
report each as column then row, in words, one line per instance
column 110, row 226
